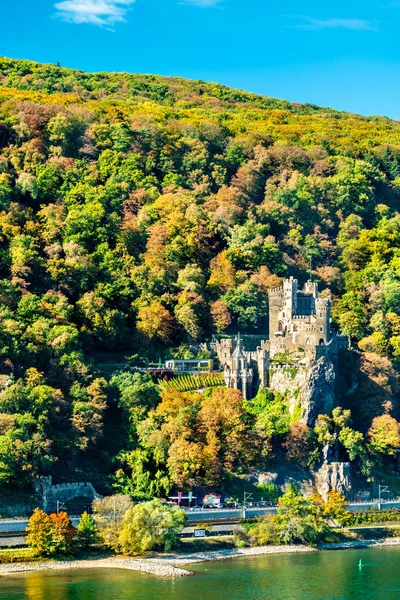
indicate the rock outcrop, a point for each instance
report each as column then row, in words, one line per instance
column 333, row 476
column 318, row 393
column 309, row 388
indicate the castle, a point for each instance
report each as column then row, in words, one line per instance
column 299, row 332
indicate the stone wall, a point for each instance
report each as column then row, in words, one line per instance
column 64, row 492
column 22, row 509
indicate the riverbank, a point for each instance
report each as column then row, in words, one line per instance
column 171, row 565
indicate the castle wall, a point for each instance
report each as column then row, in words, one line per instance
column 299, row 322
column 63, row 492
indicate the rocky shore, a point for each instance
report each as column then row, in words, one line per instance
column 169, row 565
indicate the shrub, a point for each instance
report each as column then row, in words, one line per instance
column 87, row 531
column 265, row 532
column 369, row 517
column 151, row 525
column 270, row 491
column 109, row 513
column 50, row 535
column 16, row 555
column 299, row 520
column 241, row 537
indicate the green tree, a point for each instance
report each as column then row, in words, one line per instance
column 247, row 305
column 87, row 531
column 109, row 513
column 151, row 525
column 384, row 435
column 299, row 520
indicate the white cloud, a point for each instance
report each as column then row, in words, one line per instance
column 96, row 12
column 353, row 24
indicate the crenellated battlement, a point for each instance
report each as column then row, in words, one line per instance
column 277, row 292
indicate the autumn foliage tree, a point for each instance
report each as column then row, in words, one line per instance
column 191, row 439
column 50, row 535
column 297, row 443
column 384, row 435
column 139, row 213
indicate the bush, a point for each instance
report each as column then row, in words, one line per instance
column 241, row 537
column 369, row 517
column 109, row 513
column 50, row 535
column 299, row 520
column 265, row 532
column 239, row 543
column 270, row 491
column 151, row 525
column 87, row 533
column 16, row 555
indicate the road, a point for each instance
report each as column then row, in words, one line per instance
column 201, row 516
column 219, row 514
column 18, row 525
column 229, row 513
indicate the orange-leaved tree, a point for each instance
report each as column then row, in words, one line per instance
column 50, row 535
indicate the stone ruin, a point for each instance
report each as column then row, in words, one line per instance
column 63, row 492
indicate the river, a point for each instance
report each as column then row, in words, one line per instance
column 329, row 575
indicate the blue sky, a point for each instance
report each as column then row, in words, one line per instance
column 344, row 53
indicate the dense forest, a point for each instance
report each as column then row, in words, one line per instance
column 141, row 214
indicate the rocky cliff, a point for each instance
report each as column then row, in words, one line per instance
column 333, row 476
column 309, row 389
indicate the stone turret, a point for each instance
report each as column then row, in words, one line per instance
column 237, row 371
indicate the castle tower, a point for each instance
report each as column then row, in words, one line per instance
column 237, row 372
column 311, row 288
column 322, row 321
column 290, row 295
column 263, row 362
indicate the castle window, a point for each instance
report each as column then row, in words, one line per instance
column 321, row 329
column 283, row 315
column 321, row 342
column 280, row 326
column 320, row 314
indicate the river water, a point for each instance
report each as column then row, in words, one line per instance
column 329, row 575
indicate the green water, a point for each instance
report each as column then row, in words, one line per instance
column 333, row 575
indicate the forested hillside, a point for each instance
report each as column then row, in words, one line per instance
column 140, row 214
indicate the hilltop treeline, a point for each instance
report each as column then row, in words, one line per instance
column 139, row 213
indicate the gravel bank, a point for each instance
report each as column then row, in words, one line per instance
column 151, row 566
column 169, row 565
